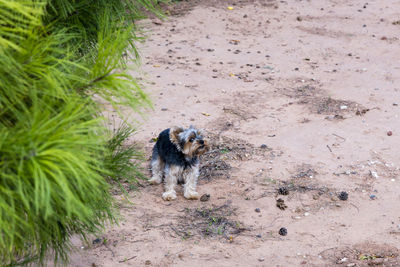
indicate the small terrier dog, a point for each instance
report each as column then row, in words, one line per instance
column 176, row 159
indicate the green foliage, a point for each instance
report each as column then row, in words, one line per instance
column 60, row 59
column 122, row 158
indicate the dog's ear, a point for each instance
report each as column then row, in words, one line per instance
column 201, row 132
column 174, row 135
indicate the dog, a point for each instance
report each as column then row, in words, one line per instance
column 175, row 159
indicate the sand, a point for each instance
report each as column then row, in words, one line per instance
column 297, row 94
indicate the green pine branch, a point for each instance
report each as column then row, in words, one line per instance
column 57, row 160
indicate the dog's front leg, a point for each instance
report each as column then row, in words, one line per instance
column 190, row 177
column 171, row 179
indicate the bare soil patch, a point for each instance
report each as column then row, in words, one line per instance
column 300, row 101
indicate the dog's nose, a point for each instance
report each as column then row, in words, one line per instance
column 201, row 142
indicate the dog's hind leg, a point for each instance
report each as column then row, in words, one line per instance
column 157, row 167
column 171, row 179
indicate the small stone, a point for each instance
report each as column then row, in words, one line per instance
column 372, row 197
column 343, row 107
column 148, row 262
column 283, row 231
column 351, row 265
column 389, row 133
column 164, row 109
column 343, row 195
column 257, row 210
column 261, row 259
column 374, row 174
column 264, row 146
column 205, row 197
column 306, row 214
column 258, row 236
column 96, row 241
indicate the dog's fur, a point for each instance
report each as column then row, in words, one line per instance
column 176, row 159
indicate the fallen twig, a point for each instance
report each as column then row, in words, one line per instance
column 112, row 252
column 125, row 260
column 329, row 148
column 344, row 139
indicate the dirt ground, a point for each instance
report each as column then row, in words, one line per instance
column 300, row 101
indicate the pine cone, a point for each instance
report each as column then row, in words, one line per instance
column 283, row 231
column 283, row 191
column 343, row 195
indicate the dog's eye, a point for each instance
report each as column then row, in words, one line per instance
column 191, row 140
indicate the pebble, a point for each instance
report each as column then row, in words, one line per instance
column 372, row 197
column 263, row 146
column 205, row 197
column 96, row 241
column 257, row 210
column 389, row 133
column 306, row 214
column 374, row 174
column 164, row 109
column 261, row 259
column 259, row 235
column 350, row 265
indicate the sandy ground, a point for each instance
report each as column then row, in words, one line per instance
column 303, row 95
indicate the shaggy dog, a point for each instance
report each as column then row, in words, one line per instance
column 176, row 159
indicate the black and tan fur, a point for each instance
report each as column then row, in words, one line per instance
column 176, row 159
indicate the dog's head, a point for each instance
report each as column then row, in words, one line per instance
column 189, row 141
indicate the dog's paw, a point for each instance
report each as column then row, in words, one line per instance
column 155, row 180
column 170, row 195
column 191, row 195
